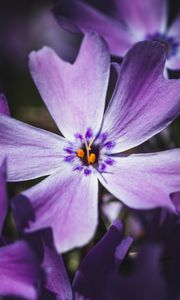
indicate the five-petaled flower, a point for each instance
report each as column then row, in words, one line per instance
column 143, row 103
column 123, row 23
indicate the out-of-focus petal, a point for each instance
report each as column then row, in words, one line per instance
column 144, row 102
column 97, row 276
column 76, row 15
column 19, row 271
column 31, row 152
column 74, row 93
column 151, row 287
column 3, row 196
column 4, row 108
column 56, row 285
column 57, row 280
column 173, row 63
column 110, row 208
column 173, row 31
column 66, row 202
column 145, row 181
column 143, row 17
column 164, row 229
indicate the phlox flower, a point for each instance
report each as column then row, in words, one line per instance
column 94, row 143
column 123, row 23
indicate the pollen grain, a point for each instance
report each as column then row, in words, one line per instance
column 80, row 153
column 92, row 158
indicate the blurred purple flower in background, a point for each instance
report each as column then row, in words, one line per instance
column 25, row 27
column 151, row 273
column 101, row 273
column 19, row 269
column 142, row 104
column 125, row 23
column 112, row 271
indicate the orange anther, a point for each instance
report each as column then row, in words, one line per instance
column 92, row 158
column 80, row 153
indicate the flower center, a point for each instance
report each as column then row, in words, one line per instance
column 172, row 45
column 88, row 154
column 89, row 151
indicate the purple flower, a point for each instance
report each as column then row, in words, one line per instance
column 19, row 271
column 142, row 104
column 124, row 23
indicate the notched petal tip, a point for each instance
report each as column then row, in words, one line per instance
column 45, row 50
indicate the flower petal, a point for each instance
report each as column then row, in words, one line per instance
column 66, row 202
column 31, row 152
column 143, row 17
column 74, row 93
column 140, row 284
column 4, row 108
column 74, row 15
column 3, row 196
column 145, row 181
column 144, row 102
column 19, row 271
column 97, row 276
column 56, row 284
column 57, row 280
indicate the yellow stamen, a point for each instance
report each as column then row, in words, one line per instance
column 92, row 158
column 80, row 153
